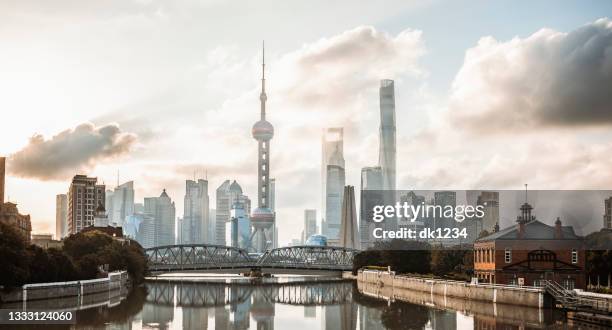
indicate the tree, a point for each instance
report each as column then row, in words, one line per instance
column 95, row 248
column 13, row 257
column 401, row 255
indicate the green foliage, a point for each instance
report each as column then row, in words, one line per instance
column 13, row 257
column 451, row 260
column 403, row 257
column 79, row 259
column 599, row 256
column 94, row 248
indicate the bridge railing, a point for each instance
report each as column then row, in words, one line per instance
column 309, row 257
column 207, row 257
column 197, row 256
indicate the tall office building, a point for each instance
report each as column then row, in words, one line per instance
column 443, row 199
column 120, row 203
column 227, row 195
column 349, row 234
column 238, row 228
column 387, row 149
column 141, row 227
column 607, row 218
column 371, row 186
column 333, row 181
column 195, row 218
column 490, row 202
column 310, row 224
column 84, row 197
column 263, row 217
column 2, row 173
column 61, row 216
column 163, row 212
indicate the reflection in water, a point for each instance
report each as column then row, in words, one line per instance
column 295, row 303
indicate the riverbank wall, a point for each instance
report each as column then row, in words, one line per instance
column 493, row 293
column 115, row 281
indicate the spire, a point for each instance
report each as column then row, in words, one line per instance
column 263, row 97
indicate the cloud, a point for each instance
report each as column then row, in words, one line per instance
column 547, row 80
column 70, row 152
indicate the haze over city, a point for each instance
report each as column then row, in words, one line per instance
column 153, row 90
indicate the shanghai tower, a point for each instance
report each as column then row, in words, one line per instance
column 262, row 218
column 386, row 153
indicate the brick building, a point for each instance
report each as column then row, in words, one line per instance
column 530, row 252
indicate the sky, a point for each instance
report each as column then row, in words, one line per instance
column 489, row 95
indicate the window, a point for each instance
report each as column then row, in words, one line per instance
column 574, row 256
column 508, row 256
column 569, row 284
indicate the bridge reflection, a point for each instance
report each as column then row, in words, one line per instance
column 216, row 294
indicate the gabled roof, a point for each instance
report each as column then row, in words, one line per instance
column 534, row 230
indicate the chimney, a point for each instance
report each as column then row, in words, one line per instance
column 558, row 231
column 2, row 170
column 521, row 232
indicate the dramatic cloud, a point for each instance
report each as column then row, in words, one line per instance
column 333, row 75
column 70, row 152
column 549, row 79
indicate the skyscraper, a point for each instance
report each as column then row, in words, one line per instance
column 120, row 203
column 333, row 180
column 387, row 150
column 607, row 218
column 349, row 234
column 310, row 224
column 195, row 219
column 2, row 171
column 489, row 200
column 371, row 186
column 239, row 226
column 443, row 199
column 163, row 212
column 227, row 195
column 263, row 218
column 84, row 197
column 61, row 216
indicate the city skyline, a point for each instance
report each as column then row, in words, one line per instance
column 158, row 123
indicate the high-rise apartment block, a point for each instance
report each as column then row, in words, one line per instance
column 84, row 197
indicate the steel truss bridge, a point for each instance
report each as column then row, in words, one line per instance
column 216, row 294
column 217, row 258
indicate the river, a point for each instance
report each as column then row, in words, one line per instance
column 288, row 302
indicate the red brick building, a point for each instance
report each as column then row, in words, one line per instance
column 529, row 252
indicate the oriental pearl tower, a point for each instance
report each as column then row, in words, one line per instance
column 262, row 218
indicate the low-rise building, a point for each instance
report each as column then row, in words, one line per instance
column 10, row 214
column 46, row 241
column 530, row 252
